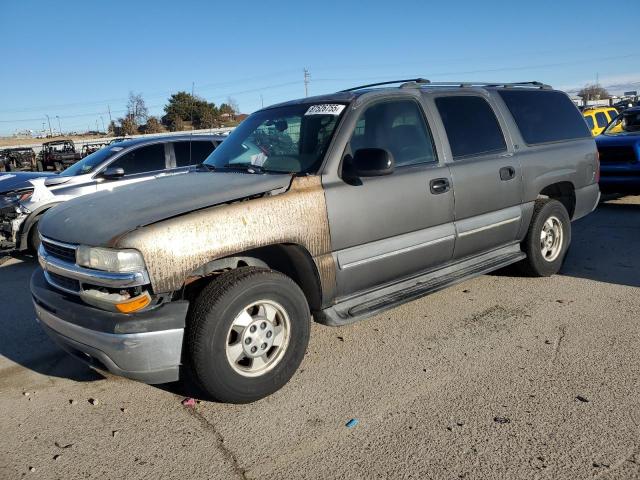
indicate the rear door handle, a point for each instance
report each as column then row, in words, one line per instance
column 439, row 185
column 507, row 173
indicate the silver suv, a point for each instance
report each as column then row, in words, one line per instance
column 336, row 207
column 24, row 197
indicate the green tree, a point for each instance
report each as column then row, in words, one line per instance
column 184, row 107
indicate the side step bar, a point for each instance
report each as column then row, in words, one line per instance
column 371, row 303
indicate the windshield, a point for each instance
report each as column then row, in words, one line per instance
column 626, row 123
column 291, row 139
column 90, row 162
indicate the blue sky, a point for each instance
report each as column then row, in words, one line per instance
column 74, row 59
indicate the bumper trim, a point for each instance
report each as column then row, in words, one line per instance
column 150, row 357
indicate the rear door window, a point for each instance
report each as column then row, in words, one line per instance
column 589, row 120
column 192, row 152
column 544, row 116
column 472, row 127
column 140, row 160
column 602, row 119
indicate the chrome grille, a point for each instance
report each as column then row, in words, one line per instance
column 59, row 251
column 617, row 154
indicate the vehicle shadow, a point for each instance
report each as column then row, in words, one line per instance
column 605, row 245
column 23, row 341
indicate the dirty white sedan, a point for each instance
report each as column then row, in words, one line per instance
column 25, row 197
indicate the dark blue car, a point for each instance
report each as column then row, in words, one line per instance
column 619, row 148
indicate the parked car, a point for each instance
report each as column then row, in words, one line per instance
column 25, row 197
column 619, row 149
column 598, row 118
column 57, row 155
column 17, row 159
column 338, row 207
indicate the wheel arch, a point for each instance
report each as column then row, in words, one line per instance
column 564, row 192
column 291, row 259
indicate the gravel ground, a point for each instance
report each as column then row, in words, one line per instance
column 498, row 377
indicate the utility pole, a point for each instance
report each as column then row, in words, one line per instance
column 109, row 109
column 103, row 129
column 97, row 127
column 49, row 121
column 59, row 127
column 307, row 77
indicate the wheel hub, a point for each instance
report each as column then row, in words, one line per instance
column 257, row 339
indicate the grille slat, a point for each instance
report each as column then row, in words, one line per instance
column 617, row 154
column 60, row 252
column 64, row 282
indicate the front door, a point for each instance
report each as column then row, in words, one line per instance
column 390, row 227
column 487, row 177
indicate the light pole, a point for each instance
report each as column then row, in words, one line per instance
column 49, row 122
column 103, row 129
column 59, row 126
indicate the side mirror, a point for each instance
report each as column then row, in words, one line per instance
column 372, row 162
column 112, row 173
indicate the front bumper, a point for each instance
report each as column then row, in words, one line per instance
column 145, row 347
column 11, row 222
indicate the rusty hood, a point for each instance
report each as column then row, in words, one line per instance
column 100, row 219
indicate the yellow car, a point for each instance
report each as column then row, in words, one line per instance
column 598, row 118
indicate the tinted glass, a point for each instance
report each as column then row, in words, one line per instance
column 589, row 120
column 544, row 116
column 471, row 125
column 612, row 114
column 143, row 159
column 602, row 119
column 192, row 153
column 398, row 127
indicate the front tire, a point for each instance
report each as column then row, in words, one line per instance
column 33, row 242
column 547, row 240
column 247, row 333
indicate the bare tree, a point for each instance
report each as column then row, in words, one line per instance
column 593, row 92
column 137, row 109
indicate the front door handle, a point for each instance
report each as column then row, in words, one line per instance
column 439, row 185
column 507, row 173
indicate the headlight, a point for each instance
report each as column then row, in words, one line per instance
column 109, row 259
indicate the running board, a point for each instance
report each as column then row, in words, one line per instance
column 371, row 303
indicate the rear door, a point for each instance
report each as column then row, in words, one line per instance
column 390, row 227
column 186, row 153
column 487, row 176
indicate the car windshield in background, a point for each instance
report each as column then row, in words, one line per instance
column 626, row 123
column 290, row 139
column 90, row 162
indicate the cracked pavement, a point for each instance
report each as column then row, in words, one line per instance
column 498, row 377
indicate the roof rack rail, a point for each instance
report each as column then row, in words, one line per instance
column 413, row 80
column 491, row 84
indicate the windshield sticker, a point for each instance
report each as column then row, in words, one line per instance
column 6, row 177
column 325, row 109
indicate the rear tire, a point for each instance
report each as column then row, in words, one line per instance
column 547, row 240
column 247, row 333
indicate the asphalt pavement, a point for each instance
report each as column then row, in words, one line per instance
column 498, row 377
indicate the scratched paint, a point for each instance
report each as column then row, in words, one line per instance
column 176, row 247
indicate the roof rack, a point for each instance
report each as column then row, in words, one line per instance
column 409, row 80
column 419, row 82
column 491, row 84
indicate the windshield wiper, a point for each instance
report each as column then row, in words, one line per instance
column 245, row 167
column 201, row 166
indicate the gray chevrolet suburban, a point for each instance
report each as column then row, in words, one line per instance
column 335, row 207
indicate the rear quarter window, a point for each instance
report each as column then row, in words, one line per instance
column 544, row 116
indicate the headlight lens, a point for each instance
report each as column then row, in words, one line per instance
column 109, row 259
